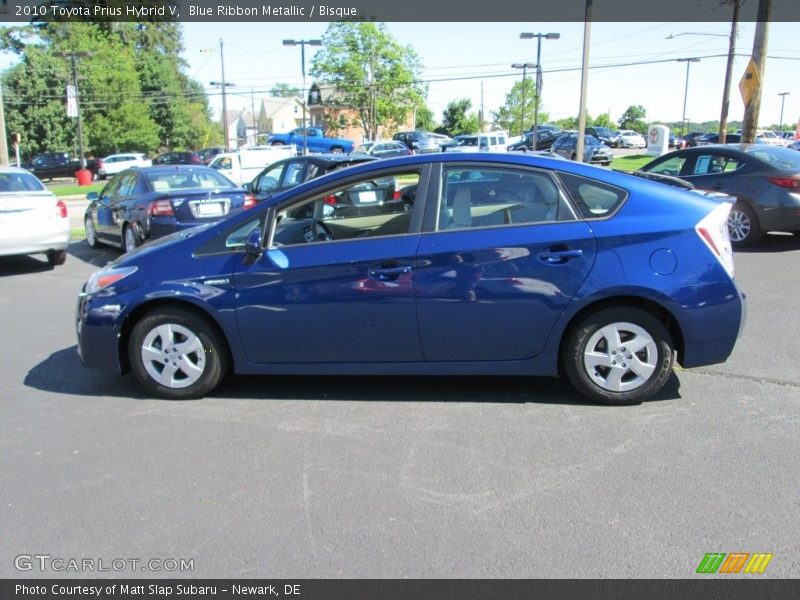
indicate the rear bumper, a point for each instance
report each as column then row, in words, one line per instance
column 24, row 242
column 711, row 328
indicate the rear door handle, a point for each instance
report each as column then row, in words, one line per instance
column 557, row 257
column 389, row 273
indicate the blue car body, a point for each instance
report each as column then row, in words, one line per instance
column 487, row 300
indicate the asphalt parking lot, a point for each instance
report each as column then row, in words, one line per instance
column 397, row 477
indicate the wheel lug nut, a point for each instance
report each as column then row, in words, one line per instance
column 613, row 352
column 624, row 365
column 613, row 362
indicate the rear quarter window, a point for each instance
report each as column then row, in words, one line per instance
column 593, row 199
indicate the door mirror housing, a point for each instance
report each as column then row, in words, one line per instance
column 92, row 196
column 252, row 244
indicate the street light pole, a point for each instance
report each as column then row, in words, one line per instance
column 538, row 36
column 302, row 44
column 783, row 99
column 726, row 90
column 688, row 62
column 524, row 67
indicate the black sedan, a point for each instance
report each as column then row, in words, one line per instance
column 764, row 179
column 288, row 173
column 149, row 202
column 178, row 158
column 544, row 141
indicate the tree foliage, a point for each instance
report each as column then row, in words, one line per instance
column 634, row 118
column 517, row 114
column 456, row 121
column 133, row 92
column 371, row 73
column 284, row 90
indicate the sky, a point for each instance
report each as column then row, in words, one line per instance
column 459, row 58
column 473, row 60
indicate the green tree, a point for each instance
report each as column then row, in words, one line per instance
column 604, row 120
column 513, row 116
column 424, row 118
column 371, row 72
column 634, row 118
column 134, row 95
column 456, row 121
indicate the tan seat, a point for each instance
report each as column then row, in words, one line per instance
column 462, row 210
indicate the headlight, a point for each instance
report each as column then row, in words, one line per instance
column 105, row 278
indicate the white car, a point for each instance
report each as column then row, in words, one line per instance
column 116, row 163
column 631, row 139
column 32, row 219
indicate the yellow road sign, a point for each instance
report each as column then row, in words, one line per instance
column 749, row 82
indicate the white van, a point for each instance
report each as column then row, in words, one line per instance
column 247, row 162
column 492, row 141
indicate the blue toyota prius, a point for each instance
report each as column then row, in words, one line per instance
column 438, row 264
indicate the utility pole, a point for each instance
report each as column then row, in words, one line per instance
column 3, row 139
column 587, row 34
column 726, row 90
column 74, row 70
column 783, row 99
column 752, row 109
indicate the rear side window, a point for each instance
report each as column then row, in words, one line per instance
column 710, row 164
column 671, row 166
column 594, row 199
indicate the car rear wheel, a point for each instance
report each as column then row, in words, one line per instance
column 91, row 234
column 132, row 238
column 175, row 354
column 619, row 355
column 743, row 226
column 276, row 144
column 56, row 257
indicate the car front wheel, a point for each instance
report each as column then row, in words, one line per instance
column 175, row 354
column 131, row 237
column 619, row 355
column 743, row 226
column 91, row 234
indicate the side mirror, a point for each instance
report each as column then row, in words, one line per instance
column 92, row 196
column 252, row 244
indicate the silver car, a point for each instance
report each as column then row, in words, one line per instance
column 32, row 219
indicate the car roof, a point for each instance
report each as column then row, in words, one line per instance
column 173, row 168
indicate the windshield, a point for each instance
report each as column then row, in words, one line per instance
column 20, row 182
column 468, row 141
column 780, row 158
column 603, row 131
column 365, row 148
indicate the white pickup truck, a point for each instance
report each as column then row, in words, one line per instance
column 247, row 162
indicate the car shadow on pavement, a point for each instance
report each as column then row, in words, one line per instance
column 20, row 265
column 773, row 242
column 99, row 257
column 62, row 372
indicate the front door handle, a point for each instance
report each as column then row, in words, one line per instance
column 559, row 257
column 389, row 273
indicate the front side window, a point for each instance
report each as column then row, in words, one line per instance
column 374, row 207
column 474, row 197
column 268, row 181
column 710, row 164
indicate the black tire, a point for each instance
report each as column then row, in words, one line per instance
column 743, row 226
column 573, row 157
column 639, row 374
column 277, row 144
column 91, row 233
column 210, row 356
column 56, row 257
column 131, row 237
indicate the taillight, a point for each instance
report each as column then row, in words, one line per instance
column 61, row 209
column 791, row 183
column 100, row 163
column 329, row 200
column 249, row 201
column 713, row 230
column 162, row 208
column 196, row 160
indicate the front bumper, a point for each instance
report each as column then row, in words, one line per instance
column 98, row 325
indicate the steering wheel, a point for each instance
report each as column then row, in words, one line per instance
column 322, row 232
